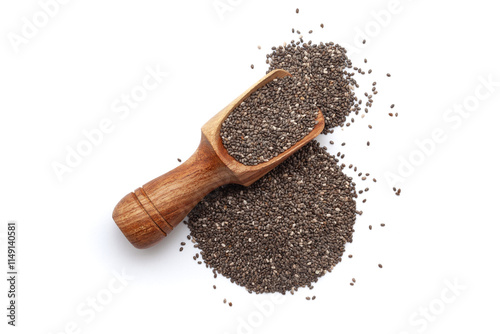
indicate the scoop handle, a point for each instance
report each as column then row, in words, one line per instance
column 148, row 214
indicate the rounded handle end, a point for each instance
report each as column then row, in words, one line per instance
column 135, row 222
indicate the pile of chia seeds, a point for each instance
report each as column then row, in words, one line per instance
column 270, row 121
column 290, row 227
column 323, row 69
column 282, row 232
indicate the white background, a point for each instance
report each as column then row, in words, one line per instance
column 64, row 79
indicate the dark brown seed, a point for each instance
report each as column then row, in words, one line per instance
column 368, row 143
column 322, row 25
column 350, row 256
column 370, row 227
column 308, row 298
column 389, row 75
column 215, row 287
column 369, row 126
column 179, row 160
column 252, row 67
column 224, row 300
column 181, row 249
column 380, row 266
column 391, row 114
column 351, row 283
column 230, row 304
column 382, row 224
column 297, row 11
column 392, row 106
column 364, row 41
column 354, row 280
column 313, row 297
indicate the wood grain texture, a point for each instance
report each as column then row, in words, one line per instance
column 151, row 212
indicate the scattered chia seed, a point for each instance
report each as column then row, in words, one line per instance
column 179, row 160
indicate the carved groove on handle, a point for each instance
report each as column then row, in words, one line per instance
column 152, row 211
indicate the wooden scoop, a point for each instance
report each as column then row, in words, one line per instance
column 149, row 213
